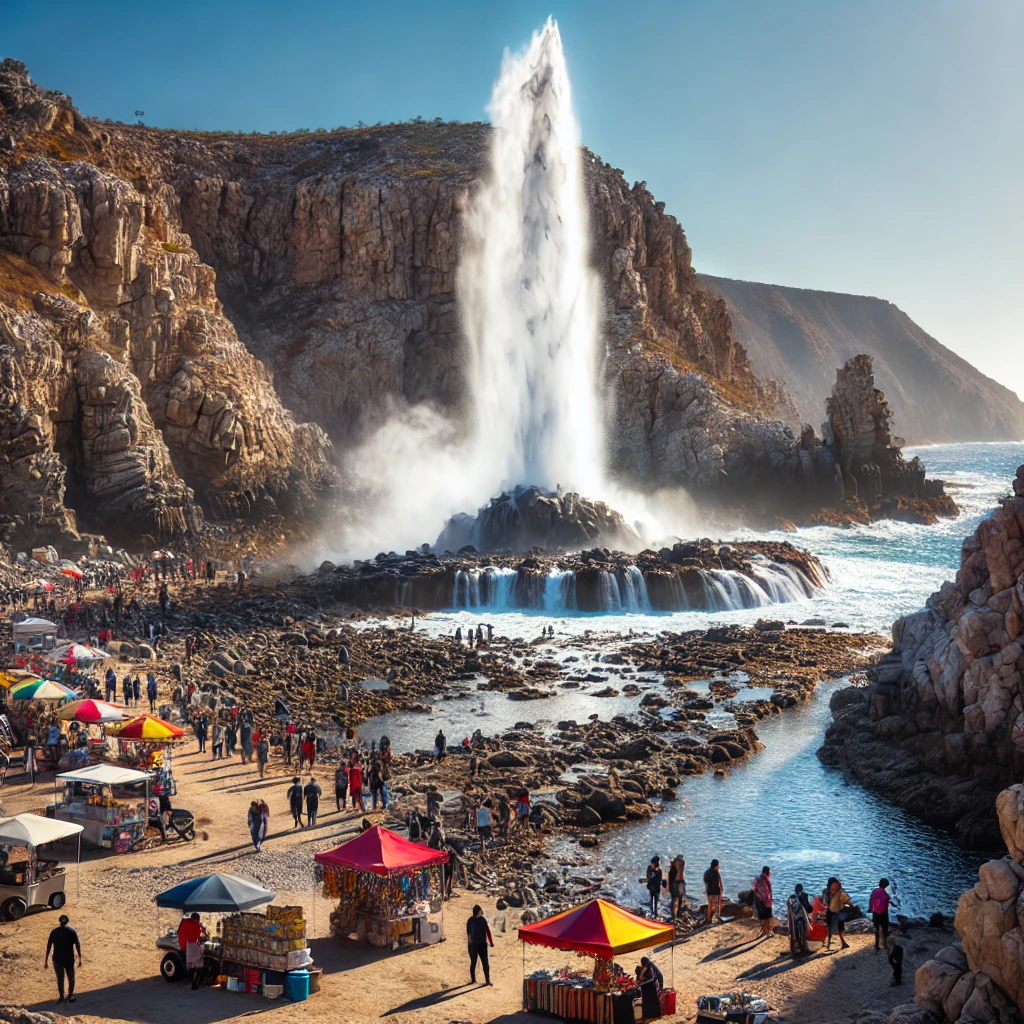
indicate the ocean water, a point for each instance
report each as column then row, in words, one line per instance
column 782, row 807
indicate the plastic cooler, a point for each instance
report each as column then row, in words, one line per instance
column 296, row 985
column 668, row 1002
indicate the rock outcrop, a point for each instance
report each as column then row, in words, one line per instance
column 941, row 728
column 528, row 518
column 858, row 432
column 801, row 335
column 129, row 392
column 981, row 979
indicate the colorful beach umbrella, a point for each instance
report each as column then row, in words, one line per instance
column 92, row 711
column 42, row 689
column 13, row 676
column 599, row 928
column 73, row 571
column 146, row 727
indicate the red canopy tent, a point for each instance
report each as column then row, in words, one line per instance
column 383, row 852
column 393, row 861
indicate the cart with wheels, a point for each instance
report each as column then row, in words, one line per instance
column 27, row 879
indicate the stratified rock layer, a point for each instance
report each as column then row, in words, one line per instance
column 941, row 728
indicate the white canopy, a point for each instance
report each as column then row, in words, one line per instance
column 35, row 627
column 104, row 775
column 34, row 830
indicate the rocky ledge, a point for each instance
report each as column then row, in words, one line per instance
column 980, row 979
column 698, row 575
column 940, row 730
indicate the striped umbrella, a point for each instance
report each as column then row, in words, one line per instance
column 14, row 676
column 77, row 652
column 42, row 689
column 146, row 727
column 92, row 711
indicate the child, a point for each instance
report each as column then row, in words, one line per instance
column 896, row 961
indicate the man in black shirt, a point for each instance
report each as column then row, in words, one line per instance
column 295, row 801
column 63, row 943
column 478, row 932
column 312, row 793
column 713, row 888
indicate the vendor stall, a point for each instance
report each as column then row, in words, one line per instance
column 147, row 743
column 386, row 886
column 110, row 803
column 26, row 878
column 607, row 994
column 35, row 632
column 251, row 952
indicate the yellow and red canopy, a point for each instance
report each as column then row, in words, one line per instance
column 599, row 928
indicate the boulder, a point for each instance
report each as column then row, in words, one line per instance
column 911, row 1013
column 933, row 982
column 1000, row 880
column 506, row 759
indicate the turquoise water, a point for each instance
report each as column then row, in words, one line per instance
column 782, row 807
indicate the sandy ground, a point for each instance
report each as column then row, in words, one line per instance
column 111, row 905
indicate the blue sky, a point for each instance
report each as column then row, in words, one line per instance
column 873, row 147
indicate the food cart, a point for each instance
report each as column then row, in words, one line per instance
column 110, row 802
column 385, row 887
column 147, row 743
column 263, row 953
column 26, row 879
column 601, row 930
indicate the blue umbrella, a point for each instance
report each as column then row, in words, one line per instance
column 216, row 894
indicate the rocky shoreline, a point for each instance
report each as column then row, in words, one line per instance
column 940, row 730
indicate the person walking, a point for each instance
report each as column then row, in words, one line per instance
column 440, row 745
column 504, row 815
column 126, row 691
column 355, row 785
column 761, row 887
column 380, row 775
column 483, row 826
column 838, row 901
column 713, row 889
column 478, row 932
column 201, row 726
column 655, row 882
column 289, row 741
column 111, row 685
column 523, row 810
column 151, row 692
column 309, row 750
column 677, row 884
column 259, row 818
column 878, row 905
column 137, row 690
column 63, row 943
column 230, row 738
column 262, row 754
column 341, row 787
column 312, row 793
column 295, row 801
column 218, row 741
column 245, row 735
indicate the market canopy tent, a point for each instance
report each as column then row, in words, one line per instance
column 13, row 676
column 146, row 727
column 91, row 711
column 599, row 928
column 216, row 894
column 104, row 775
column 382, row 852
column 34, row 830
column 77, row 652
column 34, row 627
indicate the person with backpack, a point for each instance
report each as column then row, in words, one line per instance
column 341, row 787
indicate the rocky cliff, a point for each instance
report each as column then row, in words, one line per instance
column 130, row 402
column 267, row 293
column 941, row 728
column 980, row 979
column 801, row 335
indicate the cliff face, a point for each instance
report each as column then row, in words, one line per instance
column 246, row 282
column 801, row 335
column 941, row 728
column 129, row 393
